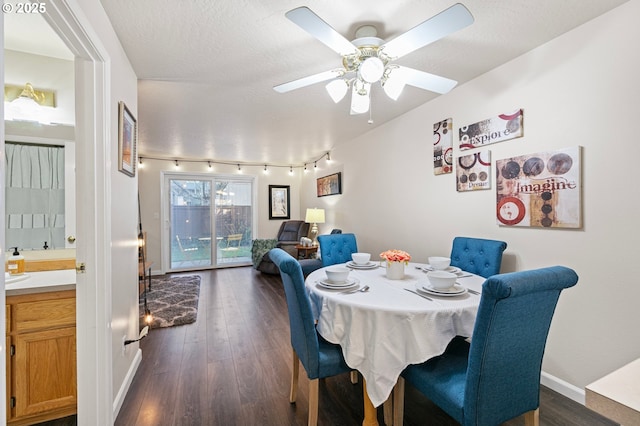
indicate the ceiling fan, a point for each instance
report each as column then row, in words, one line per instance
column 369, row 59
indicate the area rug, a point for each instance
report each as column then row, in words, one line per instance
column 172, row 301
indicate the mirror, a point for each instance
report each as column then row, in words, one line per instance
column 33, row 156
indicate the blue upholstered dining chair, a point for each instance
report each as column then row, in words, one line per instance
column 320, row 358
column 336, row 248
column 478, row 256
column 496, row 377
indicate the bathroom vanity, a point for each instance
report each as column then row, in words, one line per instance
column 41, row 346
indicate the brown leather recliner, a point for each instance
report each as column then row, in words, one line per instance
column 288, row 237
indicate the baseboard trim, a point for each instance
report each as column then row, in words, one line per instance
column 126, row 383
column 563, row 388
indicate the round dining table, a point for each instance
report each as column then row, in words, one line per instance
column 396, row 322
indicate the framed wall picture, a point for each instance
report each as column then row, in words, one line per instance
column 540, row 190
column 329, row 185
column 279, row 204
column 127, row 140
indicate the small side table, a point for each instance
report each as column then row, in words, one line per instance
column 305, row 251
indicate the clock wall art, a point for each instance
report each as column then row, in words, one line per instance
column 540, row 190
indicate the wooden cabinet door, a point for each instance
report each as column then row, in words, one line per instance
column 45, row 363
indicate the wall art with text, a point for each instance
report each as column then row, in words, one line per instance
column 497, row 129
column 540, row 190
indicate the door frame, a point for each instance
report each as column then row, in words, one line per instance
column 93, row 201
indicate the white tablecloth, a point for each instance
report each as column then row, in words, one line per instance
column 387, row 328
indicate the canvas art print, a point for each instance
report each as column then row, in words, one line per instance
column 443, row 147
column 540, row 190
column 497, row 129
column 473, row 172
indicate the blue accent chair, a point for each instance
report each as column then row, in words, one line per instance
column 336, row 248
column 478, row 256
column 320, row 358
column 496, row 377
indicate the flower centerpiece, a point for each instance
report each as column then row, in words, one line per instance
column 396, row 260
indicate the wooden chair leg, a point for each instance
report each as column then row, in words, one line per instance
column 294, row 377
column 354, row 377
column 313, row 402
column 398, row 402
column 532, row 418
column 387, row 409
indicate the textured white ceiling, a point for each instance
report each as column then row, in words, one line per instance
column 206, row 68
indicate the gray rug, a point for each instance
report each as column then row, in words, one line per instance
column 172, row 301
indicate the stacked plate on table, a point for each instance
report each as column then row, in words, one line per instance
column 368, row 265
column 452, row 269
column 426, row 288
column 347, row 284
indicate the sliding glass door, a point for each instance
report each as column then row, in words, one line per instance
column 209, row 221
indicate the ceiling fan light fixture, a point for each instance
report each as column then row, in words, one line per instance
column 360, row 99
column 393, row 87
column 337, row 89
column 371, row 69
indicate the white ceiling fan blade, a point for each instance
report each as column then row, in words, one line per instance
column 307, row 81
column 306, row 19
column 444, row 23
column 424, row 80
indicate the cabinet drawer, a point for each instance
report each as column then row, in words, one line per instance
column 44, row 314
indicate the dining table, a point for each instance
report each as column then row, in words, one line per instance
column 393, row 323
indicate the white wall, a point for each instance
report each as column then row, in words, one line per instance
column 151, row 185
column 580, row 89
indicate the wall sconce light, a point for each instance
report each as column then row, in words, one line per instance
column 28, row 94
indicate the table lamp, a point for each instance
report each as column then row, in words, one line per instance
column 314, row 216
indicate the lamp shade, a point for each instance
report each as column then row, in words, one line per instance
column 314, row 216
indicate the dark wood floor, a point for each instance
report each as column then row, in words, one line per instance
column 232, row 367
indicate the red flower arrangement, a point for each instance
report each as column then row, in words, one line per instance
column 396, row 256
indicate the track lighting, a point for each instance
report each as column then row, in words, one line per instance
column 266, row 167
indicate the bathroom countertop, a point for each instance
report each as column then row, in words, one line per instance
column 38, row 282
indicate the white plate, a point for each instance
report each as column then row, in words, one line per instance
column 368, row 265
column 452, row 269
column 457, row 290
column 326, row 286
column 330, row 284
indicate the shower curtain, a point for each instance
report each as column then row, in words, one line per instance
column 34, row 205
